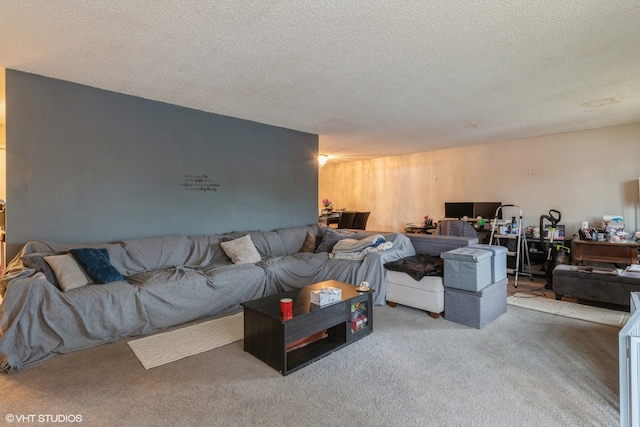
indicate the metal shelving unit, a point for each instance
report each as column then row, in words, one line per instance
column 521, row 244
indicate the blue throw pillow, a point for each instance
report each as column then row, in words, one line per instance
column 97, row 265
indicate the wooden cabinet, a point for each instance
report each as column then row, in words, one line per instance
column 609, row 252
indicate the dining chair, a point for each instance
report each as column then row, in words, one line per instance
column 360, row 221
column 346, row 219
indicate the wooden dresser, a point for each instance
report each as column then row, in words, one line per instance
column 616, row 253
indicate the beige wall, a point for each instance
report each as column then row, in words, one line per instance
column 3, row 139
column 3, row 166
column 583, row 174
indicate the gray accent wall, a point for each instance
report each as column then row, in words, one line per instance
column 89, row 165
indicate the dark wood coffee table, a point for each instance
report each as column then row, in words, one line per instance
column 312, row 333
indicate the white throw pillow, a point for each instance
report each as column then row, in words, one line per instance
column 241, row 250
column 69, row 273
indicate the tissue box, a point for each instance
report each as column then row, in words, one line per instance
column 326, row 296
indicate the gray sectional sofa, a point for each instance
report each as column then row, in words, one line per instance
column 167, row 281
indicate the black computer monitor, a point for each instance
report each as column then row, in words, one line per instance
column 486, row 210
column 458, row 209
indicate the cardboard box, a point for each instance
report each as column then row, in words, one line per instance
column 326, row 296
column 358, row 323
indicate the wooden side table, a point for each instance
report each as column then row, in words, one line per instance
column 329, row 219
column 609, row 252
column 419, row 228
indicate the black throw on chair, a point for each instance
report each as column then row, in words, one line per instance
column 346, row 219
column 360, row 221
column 456, row 228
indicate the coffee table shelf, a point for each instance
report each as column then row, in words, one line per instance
column 267, row 336
column 303, row 356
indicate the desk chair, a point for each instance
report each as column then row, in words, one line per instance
column 360, row 221
column 346, row 219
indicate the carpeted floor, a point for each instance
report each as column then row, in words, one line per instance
column 526, row 368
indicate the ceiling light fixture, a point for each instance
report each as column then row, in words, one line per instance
column 322, row 160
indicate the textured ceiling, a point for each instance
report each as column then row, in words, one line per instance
column 373, row 78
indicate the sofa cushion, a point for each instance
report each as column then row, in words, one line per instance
column 241, row 250
column 206, row 250
column 332, row 236
column 96, row 264
column 309, row 244
column 69, row 273
column 267, row 243
column 154, row 253
column 293, row 237
column 37, row 262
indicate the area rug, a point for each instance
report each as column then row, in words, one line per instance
column 603, row 316
column 166, row 347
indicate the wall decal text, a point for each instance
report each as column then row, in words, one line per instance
column 199, row 183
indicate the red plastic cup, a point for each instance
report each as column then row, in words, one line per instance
column 286, row 308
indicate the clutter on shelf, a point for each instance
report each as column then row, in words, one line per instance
column 612, row 230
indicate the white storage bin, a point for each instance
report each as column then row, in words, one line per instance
column 424, row 294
